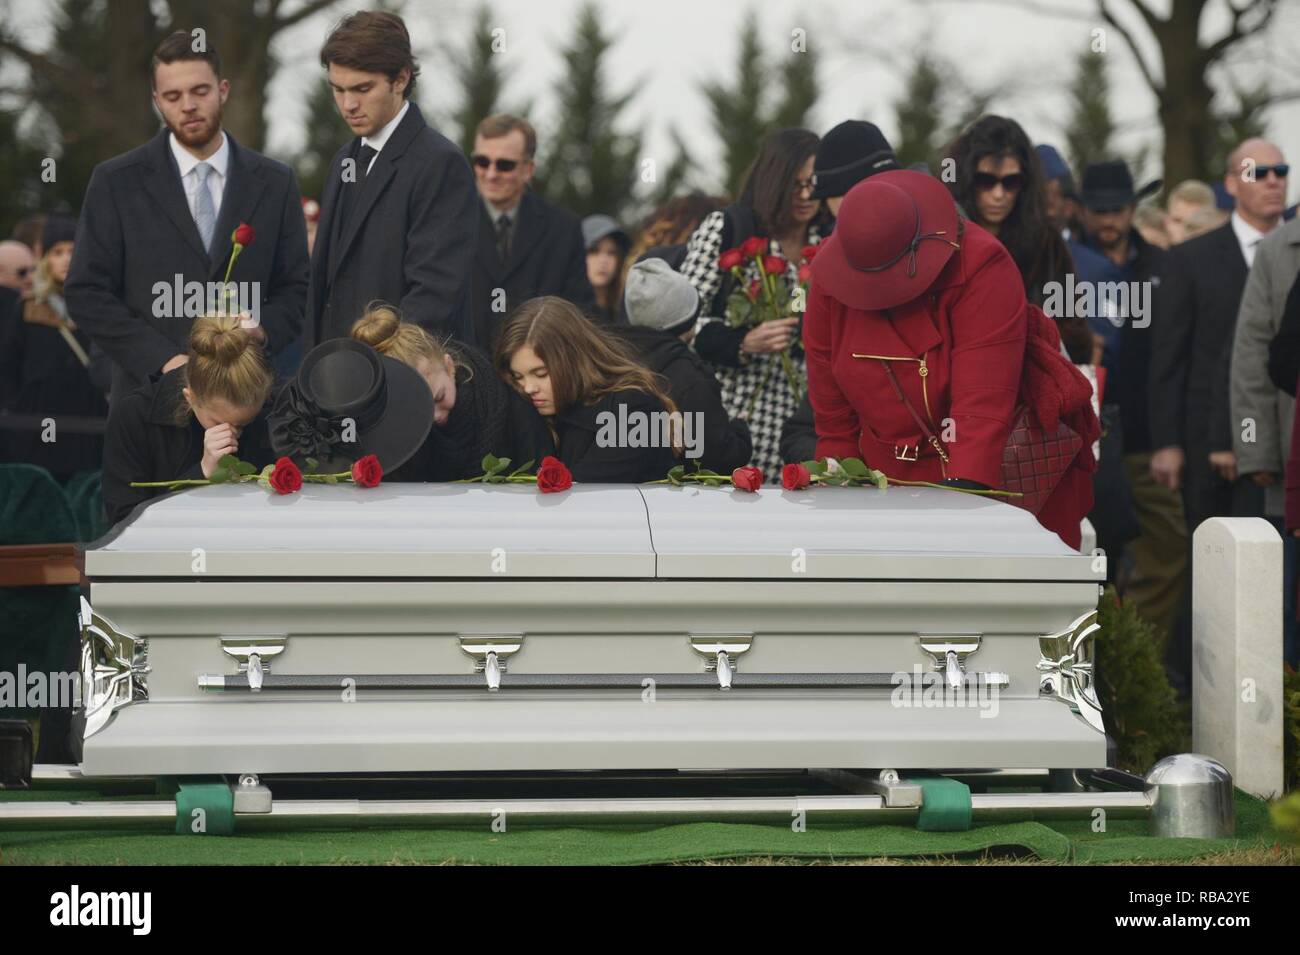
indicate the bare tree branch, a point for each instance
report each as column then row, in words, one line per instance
column 63, row 77
column 1238, row 32
column 1147, row 73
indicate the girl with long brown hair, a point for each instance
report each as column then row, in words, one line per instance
column 611, row 418
column 180, row 424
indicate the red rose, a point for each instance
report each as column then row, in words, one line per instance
column 748, row 478
column 809, row 252
column 805, row 273
column 773, row 265
column 553, row 476
column 754, row 290
column 795, row 476
column 367, row 472
column 245, row 234
column 754, row 245
column 731, row 259
column 286, row 478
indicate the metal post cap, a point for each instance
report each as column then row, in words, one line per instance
column 1193, row 799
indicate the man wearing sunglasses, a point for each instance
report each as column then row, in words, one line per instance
column 526, row 246
column 1195, row 321
column 398, row 218
column 17, row 266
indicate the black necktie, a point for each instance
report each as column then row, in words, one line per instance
column 503, row 238
column 364, row 156
column 352, row 189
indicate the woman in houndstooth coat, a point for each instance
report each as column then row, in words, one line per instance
column 775, row 204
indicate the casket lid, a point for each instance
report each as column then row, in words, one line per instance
column 589, row 531
column 395, row 530
column 855, row 533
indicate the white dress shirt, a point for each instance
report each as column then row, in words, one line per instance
column 376, row 142
column 1248, row 237
column 220, row 163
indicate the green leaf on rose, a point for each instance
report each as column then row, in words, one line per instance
column 245, row 468
column 228, row 461
column 815, row 467
column 312, row 465
column 490, row 463
column 855, row 467
column 523, row 468
column 220, row 475
column 330, row 478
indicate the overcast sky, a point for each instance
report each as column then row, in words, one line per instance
column 665, row 48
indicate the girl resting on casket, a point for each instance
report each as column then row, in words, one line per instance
column 606, row 413
column 180, row 424
column 474, row 412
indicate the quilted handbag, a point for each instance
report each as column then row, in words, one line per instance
column 1034, row 461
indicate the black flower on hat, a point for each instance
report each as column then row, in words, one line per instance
column 299, row 429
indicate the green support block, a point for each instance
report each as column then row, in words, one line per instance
column 205, row 807
column 945, row 804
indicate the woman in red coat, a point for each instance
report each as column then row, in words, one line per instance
column 906, row 298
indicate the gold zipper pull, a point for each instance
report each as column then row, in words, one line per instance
column 924, row 370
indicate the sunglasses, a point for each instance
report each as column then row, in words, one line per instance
column 1278, row 169
column 984, row 181
column 503, row 165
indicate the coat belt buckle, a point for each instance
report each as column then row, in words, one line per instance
column 901, row 452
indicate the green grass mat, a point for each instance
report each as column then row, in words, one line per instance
column 1059, row 842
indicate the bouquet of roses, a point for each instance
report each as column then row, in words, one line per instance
column 282, row 477
column 765, row 299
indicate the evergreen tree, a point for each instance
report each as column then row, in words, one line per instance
column 480, row 76
column 754, row 105
column 919, row 112
column 1091, row 128
column 590, row 166
column 1241, row 122
column 326, row 135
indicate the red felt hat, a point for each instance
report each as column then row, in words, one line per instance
column 894, row 234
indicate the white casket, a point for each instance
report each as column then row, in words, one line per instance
column 422, row 628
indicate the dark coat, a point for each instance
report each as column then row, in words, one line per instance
column 693, row 387
column 52, row 383
column 489, row 417
column 146, row 443
column 578, row 428
column 799, row 435
column 1191, row 340
column 1284, row 350
column 136, row 230
column 547, row 257
column 408, row 241
column 1128, row 385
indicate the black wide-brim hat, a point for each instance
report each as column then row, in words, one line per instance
column 1109, row 185
column 341, row 381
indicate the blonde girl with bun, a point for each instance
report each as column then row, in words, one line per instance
column 474, row 412
column 182, row 422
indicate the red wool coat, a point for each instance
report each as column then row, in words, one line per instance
column 957, row 351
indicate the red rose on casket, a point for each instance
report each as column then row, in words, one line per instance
column 731, row 259
column 748, row 478
column 245, row 234
column 754, row 245
column 367, row 472
column 286, row 478
column 795, row 476
column 553, row 476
